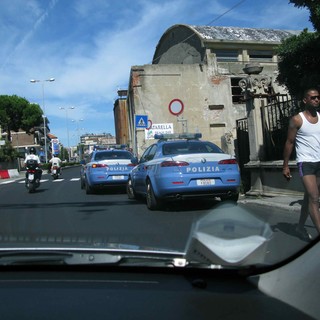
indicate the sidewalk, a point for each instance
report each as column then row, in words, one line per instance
column 287, row 202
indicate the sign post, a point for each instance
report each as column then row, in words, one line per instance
column 140, row 122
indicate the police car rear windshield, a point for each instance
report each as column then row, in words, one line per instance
column 110, row 155
column 187, row 147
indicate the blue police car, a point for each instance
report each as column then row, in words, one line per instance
column 106, row 168
column 180, row 166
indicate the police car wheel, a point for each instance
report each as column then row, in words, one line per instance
column 152, row 202
column 130, row 190
column 89, row 190
column 82, row 183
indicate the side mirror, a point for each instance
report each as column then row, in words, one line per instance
column 83, row 162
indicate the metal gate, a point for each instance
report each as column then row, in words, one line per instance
column 243, row 152
column 275, row 120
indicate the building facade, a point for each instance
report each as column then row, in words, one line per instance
column 193, row 82
column 22, row 141
column 120, row 114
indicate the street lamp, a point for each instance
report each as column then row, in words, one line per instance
column 44, row 114
column 66, row 110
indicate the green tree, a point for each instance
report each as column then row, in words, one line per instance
column 8, row 153
column 299, row 65
column 64, row 155
column 17, row 113
column 314, row 8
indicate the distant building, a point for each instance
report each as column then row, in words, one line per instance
column 90, row 140
column 22, row 141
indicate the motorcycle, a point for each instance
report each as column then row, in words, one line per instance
column 32, row 176
column 55, row 172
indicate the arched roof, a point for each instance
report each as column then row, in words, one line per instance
column 183, row 43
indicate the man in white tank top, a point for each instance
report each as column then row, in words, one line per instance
column 304, row 134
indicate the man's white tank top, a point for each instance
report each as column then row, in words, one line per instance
column 308, row 141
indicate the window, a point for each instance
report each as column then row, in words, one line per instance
column 236, row 91
column 145, row 155
column 149, row 153
column 260, row 55
column 112, row 155
column 152, row 152
column 187, row 147
column 226, row 55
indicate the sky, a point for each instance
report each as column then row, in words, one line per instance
column 88, row 47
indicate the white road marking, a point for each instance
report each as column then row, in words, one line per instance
column 41, row 181
column 6, row 182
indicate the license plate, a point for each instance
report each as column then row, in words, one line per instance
column 205, row 182
column 54, row 171
column 117, row 177
column 30, row 176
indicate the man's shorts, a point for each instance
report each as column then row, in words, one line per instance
column 309, row 168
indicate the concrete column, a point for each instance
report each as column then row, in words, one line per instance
column 255, row 88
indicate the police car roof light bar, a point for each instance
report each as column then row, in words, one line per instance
column 166, row 136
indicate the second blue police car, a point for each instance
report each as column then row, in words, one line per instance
column 179, row 166
column 106, row 168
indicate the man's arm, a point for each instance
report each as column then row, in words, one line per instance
column 294, row 125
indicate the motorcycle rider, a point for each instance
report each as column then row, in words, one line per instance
column 56, row 161
column 33, row 156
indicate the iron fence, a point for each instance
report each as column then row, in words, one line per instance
column 243, row 152
column 275, row 118
column 275, row 121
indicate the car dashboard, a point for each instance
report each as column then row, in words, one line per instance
column 100, row 292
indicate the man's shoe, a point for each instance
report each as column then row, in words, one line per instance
column 303, row 234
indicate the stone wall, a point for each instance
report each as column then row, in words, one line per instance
column 267, row 179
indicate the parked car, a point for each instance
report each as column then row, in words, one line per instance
column 106, row 168
column 181, row 166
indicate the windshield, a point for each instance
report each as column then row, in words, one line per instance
column 190, row 147
column 109, row 155
column 170, row 119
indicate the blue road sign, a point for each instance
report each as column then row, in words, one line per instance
column 141, row 121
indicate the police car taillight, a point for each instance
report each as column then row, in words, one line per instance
column 174, row 164
column 99, row 165
column 228, row 161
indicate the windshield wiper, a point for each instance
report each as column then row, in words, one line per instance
column 56, row 257
column 38, row 257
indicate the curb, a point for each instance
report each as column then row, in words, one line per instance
column 10, row 173
column 274, row 204
column 15, row 174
